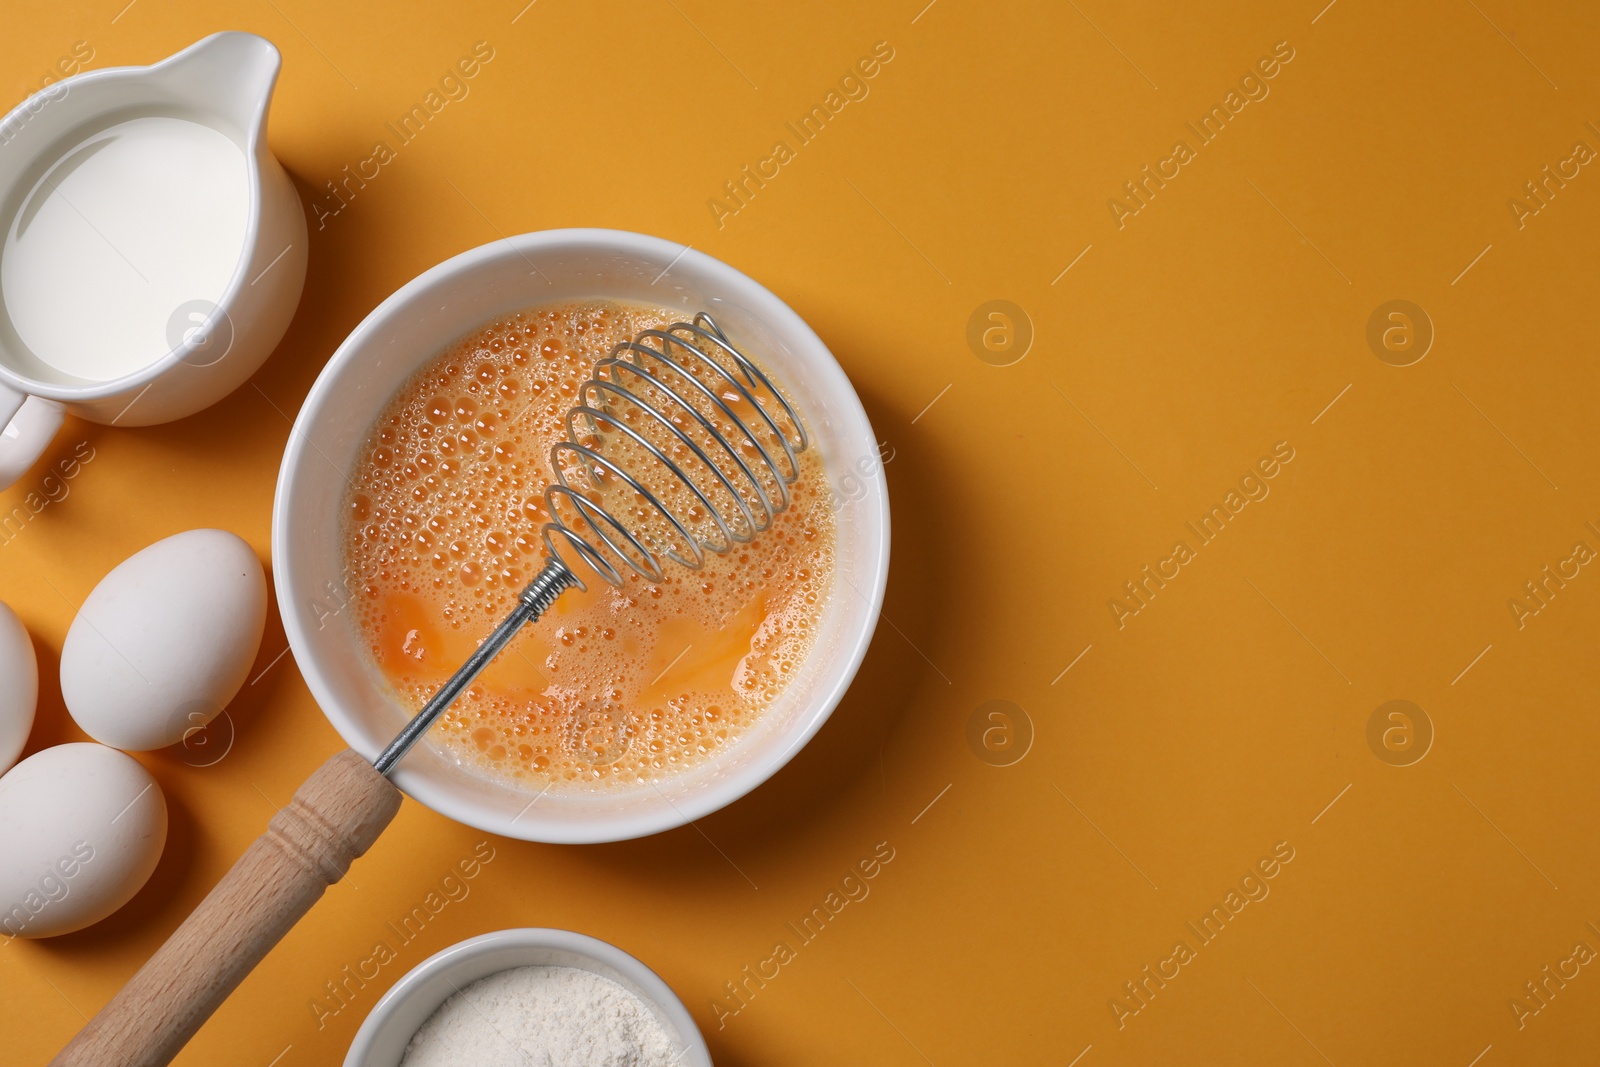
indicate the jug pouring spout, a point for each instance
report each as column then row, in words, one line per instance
column 230, row 74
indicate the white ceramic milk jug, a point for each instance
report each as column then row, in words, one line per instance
column 153, row 249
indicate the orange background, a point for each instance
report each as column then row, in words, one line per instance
column 1178, row 750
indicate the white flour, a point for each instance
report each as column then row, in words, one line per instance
column 542, row 1017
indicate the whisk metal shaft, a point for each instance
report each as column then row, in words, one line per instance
column 534, row 601
column 675, row 402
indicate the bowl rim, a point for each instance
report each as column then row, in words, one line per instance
column 715, row 794
column 652, row 986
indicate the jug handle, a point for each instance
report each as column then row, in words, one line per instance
column 30, row 425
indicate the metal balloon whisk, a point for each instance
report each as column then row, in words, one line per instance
column 678, row 445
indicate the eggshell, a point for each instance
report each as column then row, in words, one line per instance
column 19, row 686
column 165, row 640
column 81, row 828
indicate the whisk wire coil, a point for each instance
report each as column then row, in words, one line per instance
column 734, row 469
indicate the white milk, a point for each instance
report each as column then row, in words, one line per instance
column 142, row 218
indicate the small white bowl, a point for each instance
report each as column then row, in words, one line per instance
column 409, row 330
column 382, row 1039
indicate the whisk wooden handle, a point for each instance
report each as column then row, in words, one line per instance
column 309, row 845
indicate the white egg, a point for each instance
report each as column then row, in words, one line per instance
column 165, row 640
column 19, row 686
column 81, row 828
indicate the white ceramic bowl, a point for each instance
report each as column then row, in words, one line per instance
column 411, row 328
column 382, row 1039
